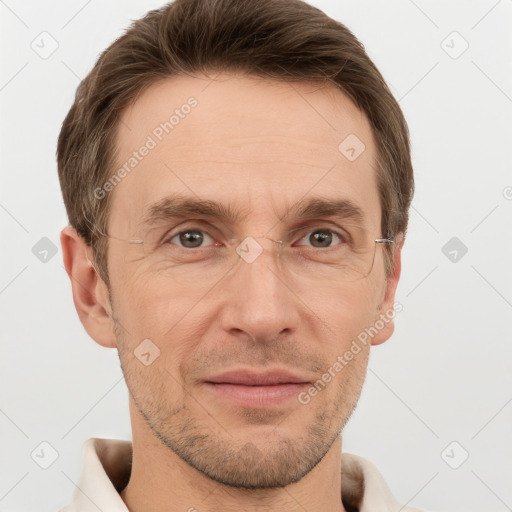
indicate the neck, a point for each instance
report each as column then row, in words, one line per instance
column 161, row 481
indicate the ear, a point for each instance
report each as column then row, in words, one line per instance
column 90, row 293
column 387, row 310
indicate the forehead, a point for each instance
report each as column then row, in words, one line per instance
column 246, row 142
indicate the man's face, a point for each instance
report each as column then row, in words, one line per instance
column 259, row 148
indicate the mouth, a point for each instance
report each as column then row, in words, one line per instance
column 247, row 388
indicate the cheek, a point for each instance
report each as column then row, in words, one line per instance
column 147, row 307
column 140, row 293
column 344, row 310
column 137, row 306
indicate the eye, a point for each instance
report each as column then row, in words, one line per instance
column 323, row 238
column 189, row 239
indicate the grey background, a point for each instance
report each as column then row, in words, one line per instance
column 444, row 377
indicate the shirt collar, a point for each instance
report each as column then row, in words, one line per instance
column 106, row 470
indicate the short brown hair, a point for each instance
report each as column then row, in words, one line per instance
column 288, row 40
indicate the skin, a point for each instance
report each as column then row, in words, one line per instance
column 259, row 145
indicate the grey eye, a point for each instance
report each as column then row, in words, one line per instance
column 190, row 239
column 321, row 238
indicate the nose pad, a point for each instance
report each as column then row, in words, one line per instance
column 250, row 248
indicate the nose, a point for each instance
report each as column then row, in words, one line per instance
column 260, row 302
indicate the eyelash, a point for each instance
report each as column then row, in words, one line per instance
column 167, row 239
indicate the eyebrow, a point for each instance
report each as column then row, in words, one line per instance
column 324, row 207
column 180, row 206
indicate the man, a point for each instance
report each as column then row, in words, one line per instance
column 237, row 177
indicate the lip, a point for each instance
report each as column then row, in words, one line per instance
column 256, row 397
column 257, row 390
column 250, row 377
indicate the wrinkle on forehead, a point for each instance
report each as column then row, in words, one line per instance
column 249, row 139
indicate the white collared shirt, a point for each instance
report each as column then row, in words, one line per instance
column 106, row 467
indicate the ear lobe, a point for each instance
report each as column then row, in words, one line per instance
column 90, row 293
column 386, row 312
